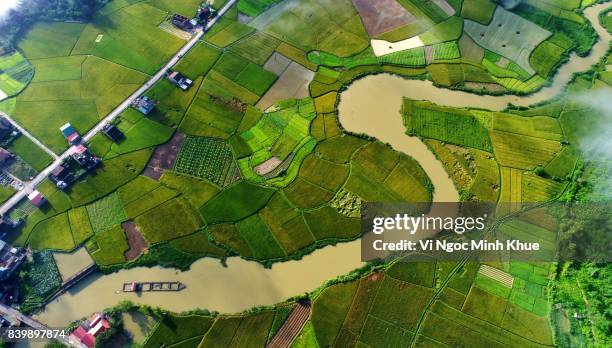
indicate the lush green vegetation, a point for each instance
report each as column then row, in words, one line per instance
column 480, row 11
column 52, row 233
column 582, row 34
column 105, row 213
column 207, row 158
column 429, row 121
column 281, row 136
column 100, row 86
column 175, row 329
column 170, row 220
column 108, row 247
column 334, row 27
column 40, row 280
column 16, row 73
column 30, row 11
column 235, row 203
column 202, row 208
column 550, row 53
column 80, row 225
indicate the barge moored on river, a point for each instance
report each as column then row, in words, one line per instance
column 152, row 286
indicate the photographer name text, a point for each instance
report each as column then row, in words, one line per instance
column 449, row 247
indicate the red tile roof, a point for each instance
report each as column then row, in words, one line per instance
column 89, row 340
column 72, row 136
column 80, row 149
column 79, row 333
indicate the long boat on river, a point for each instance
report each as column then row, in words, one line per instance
column 152, row 286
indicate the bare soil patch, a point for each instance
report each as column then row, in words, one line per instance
column 374, row 277
column 483, row 86
column 135, row 240
column 292, row 83
column 277, row 63
column 429, row 54
column 381, row 16
column 164, row 157
column 291, row 327
column 268, row 166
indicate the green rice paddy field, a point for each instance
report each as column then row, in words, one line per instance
column 79, row 80
column 212, row 201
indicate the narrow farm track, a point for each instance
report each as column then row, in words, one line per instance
column 30, row 186
column 291, row 327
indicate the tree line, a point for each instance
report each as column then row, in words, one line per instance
column 19, row 19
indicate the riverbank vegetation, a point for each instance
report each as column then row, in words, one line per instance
column 38, row 280
column 278, row 156
column 273, row 185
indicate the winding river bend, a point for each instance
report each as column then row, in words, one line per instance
column 370, row 105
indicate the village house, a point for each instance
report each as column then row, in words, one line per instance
column 80, row 162
column 37, row 199
column 87, row 332
column 179, row 79
column 10, row 259
column 144, row 104
column 205, row 13
column 112, row 132
column 70, row 134
column 61, row 176
column 182, row 22
column 84, row 158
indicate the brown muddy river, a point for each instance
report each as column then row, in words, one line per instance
column 370, row 105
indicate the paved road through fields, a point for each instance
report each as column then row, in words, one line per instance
column 30, row 186
column 29, row 136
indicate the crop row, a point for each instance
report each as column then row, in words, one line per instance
column 206, row 158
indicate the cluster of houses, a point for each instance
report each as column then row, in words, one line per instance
column 10, row 259
column 71, row 135
column 80, row 161
column 7, row 134
column 204, row 13
column 87, row 332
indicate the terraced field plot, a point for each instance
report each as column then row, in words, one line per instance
column 382, row 16
column 480, row 11
column 281, row 134
column 208, row 158
column 131, row 37
column 332, row 26
column 509, row 35
column 454, row 126
column 521, row 151
column 47, row 104
column 16, row 73
column 304, row 178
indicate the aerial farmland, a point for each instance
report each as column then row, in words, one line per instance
column 194, row 173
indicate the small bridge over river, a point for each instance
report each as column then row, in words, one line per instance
column 68, row 283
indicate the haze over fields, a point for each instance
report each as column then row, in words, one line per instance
column 6, row 5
